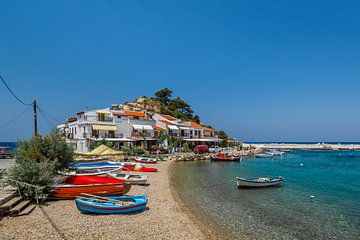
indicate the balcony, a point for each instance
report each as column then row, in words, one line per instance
column 97, row 119
column 140, row 135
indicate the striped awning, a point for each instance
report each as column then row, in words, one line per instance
column 104, row 127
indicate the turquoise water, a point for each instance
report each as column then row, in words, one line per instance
column 319, row 200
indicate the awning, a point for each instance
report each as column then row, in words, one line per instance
column 203, row 140
column 104, row 127
column 184, row 128
column 138, row 127
column 148, row 127
column 173, row 127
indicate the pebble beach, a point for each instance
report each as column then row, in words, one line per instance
column 164, row 219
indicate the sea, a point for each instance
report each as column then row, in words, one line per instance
column 320, row 198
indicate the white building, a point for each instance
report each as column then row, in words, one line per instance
column 126, row 127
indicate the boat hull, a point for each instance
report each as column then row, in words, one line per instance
column 146, row 160
column 72, row 191
column 243, row 183
column 233, row 159
column 133, row 168
column 130, row 178
column 94, row 207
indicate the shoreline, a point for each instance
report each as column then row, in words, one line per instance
column 165, row 218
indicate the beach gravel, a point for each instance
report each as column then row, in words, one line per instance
column 61, row 220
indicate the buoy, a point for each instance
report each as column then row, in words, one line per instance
column 301, row 164
column 312, row 196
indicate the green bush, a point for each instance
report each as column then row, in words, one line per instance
column 39, row 159
column 135, row 151
column 186, row 148
column 95, row 144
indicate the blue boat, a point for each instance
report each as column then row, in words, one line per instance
column 111, row 204
column 95, row 165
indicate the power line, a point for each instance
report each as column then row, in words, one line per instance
column 7, row 86
column 14, row 119
column 52, row 125
column 49, row 115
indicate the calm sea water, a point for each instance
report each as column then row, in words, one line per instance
column 288, row 212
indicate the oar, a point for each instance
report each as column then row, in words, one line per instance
column 98, row 197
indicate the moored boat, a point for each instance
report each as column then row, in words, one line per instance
column 111, row 204
column 264, row 155
column 146, row 160
column 224, row 157
column 259, row 182
column 130, row 178
column 95, row 165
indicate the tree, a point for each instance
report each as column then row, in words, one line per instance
column 222, row 135
column 164, row 95
column 39, row 159
column 196, row 119
column 181, row 106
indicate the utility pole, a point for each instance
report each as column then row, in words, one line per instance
column 35, row 119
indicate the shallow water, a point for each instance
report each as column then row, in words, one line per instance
column 288, row 212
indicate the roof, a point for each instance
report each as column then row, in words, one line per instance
column 195, row 125
column 130, row 113
column 168, row 117
column 158, row 128
column 208, row 129
column 167, row 122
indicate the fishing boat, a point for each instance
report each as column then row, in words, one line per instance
column 76, row 185
column 224, row 157
column 91, row 171
column 138, row 168
column 146, row 160
column 130, row 178
column 259, row 182
column 264, row 155
column 111, row 204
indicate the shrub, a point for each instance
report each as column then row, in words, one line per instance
column 95, row 144
column 39, row 159
column 186, row 148
column 135, row 151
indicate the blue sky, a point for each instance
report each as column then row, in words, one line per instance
column 260, row 70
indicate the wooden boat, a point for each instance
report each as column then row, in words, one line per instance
column 95, row 165
column 259, row 182
column 91, row 171
column 111, row 204
column 70, row 191
column 138, row 168
column 264, row 155
column 102, row 186
column 146, row 160
column 224, row 157
column 82, row 180
column 130, row 178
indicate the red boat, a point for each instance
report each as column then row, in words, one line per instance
column 83, row 180
column 139, row 169
column 100, row 186
column 225, row 157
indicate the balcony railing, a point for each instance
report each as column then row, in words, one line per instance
column 97, row 119
column 103, row 135
column 140, row 135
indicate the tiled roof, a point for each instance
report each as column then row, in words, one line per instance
column 195, row 125
column 168, row 117
column 208, row 129
column 167, row 122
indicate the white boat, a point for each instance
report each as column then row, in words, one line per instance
column 259, row 182
column 264, row 155
column 146, row 160
column 130, row 178
column 91, row 171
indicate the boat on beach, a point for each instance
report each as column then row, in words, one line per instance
column 111, row 204
column 146, row 160
column 225, row 157
column 76, row 185
column 259, row 182
column 130, row 178
column 91, row 171
column 106, row 164
column 138, row 168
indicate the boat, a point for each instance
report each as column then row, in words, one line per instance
column 138, row 168
column 106, row 164
column 275, row 153
column 146, row 160
column 76, row 185
column 130, row 178
column 264, row 155
column 111, row 204
column 259, row 182
column 224, row 157
column 91, row 171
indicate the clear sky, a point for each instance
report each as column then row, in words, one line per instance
column 261, row 70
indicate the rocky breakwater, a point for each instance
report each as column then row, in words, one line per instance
column 181, row 157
